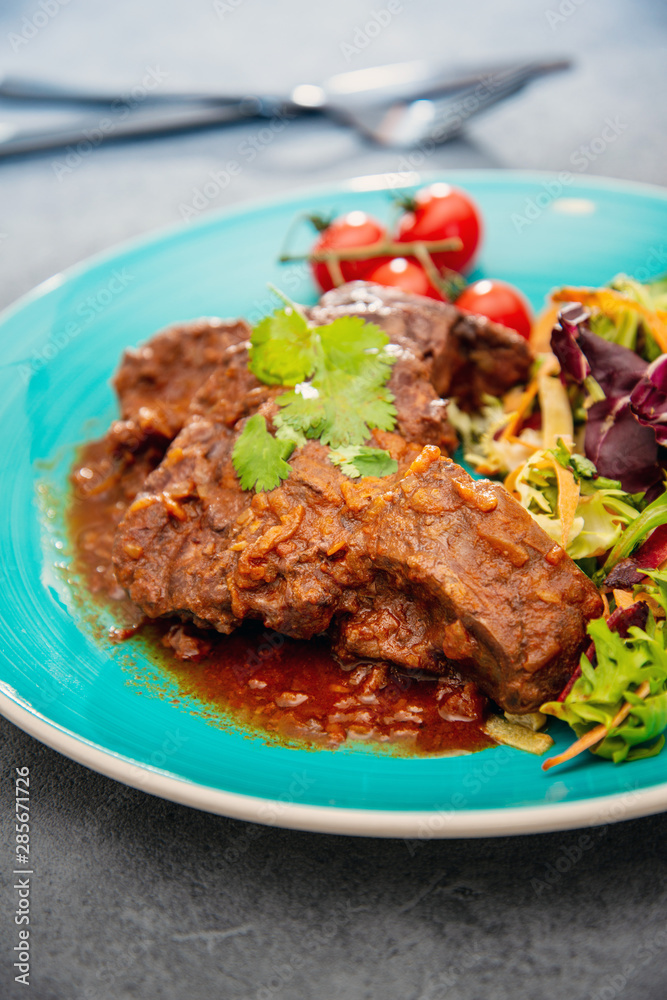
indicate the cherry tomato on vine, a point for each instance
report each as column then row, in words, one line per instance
column 500, row 302
column 400, row 272
column 438, row 212
column 356, row 229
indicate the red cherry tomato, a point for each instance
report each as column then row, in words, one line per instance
column 406, row 274
column 356, row 229
column 440, row 212
column 500, row 302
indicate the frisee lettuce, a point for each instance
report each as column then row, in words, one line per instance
column 483, row 448
column 623, row 664
column 603, row 511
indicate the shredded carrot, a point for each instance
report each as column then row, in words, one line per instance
column 611, row 302
column 568, row 500
column 598, row 733
column 540, row 335
column 523, row 408
column 605, row 605
column 510, row 480
column 624, row 599
column 512, row 439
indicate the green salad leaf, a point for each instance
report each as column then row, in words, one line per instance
column 582, row 468
column 652, row 516
column 603, row 511
column 625, row 327
column 623, row 665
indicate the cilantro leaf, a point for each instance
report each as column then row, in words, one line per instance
column 338, row 372
column 281, row 351
column 364, row 461
column 338, row 409
column 346, row 397
column 286, row 433
column 356, row 347
column 259, row 457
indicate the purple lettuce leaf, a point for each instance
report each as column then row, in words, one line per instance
column 621, row 620
column 648, row 400
column 581, row 353
column 565, row 344
column 624, row 429
column 619, row 447
column 616, row 369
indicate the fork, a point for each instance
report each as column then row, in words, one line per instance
column 437, row 120
column 400, row 123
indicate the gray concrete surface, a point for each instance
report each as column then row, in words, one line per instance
column 136, row 897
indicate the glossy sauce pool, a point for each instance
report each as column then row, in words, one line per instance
column 287, row 690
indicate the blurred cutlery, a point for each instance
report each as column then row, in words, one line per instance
column 393, row 105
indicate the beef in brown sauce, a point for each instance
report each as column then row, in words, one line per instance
column 155, row 384
column 466, row 357
column 417, row 571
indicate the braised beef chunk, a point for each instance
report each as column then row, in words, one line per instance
column 431, row 567
column 466, row 356
column 492, row 591
column 425, row 568
column 156, row 382
column 171, row 554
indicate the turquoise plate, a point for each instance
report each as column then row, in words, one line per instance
column 59, row 346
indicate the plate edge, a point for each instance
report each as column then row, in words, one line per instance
column 419, row 825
